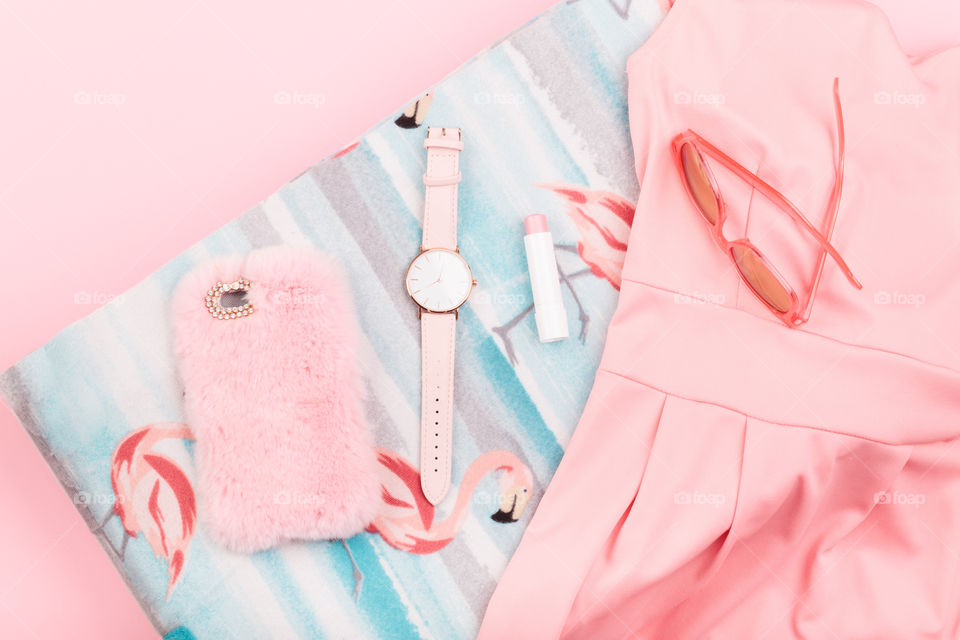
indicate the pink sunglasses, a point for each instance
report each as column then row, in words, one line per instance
column 755, row 270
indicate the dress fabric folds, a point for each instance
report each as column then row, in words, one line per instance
column 731, row 477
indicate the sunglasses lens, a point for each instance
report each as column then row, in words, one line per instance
column 698, row 183
column 764, row 282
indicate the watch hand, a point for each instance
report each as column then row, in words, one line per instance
column 435, row 282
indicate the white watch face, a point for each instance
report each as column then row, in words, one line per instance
column 439, row 280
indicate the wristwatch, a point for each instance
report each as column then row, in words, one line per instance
column 439, row 280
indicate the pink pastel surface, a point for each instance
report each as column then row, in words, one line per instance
column 129, row 133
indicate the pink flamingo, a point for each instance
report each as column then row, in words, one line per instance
column 153, row 495
column 406, row 518
column 603, row 220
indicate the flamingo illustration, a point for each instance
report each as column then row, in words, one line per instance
column 603, row 220
column 406, row 518
column 152, row 494
column 414, row 115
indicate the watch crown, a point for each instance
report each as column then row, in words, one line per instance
column 474, row 283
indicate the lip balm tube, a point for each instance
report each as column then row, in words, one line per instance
column 548, row 311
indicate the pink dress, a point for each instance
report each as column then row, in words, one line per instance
column 731, row 477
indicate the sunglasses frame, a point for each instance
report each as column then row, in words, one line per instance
column 796, row 314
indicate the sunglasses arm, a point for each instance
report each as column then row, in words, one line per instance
column 834, row 199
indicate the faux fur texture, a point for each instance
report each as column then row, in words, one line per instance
column 283, row 450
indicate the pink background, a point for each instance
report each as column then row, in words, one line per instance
column 131, row 132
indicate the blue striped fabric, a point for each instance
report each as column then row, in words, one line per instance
column 545, row 106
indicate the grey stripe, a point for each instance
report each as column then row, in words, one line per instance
column 474, row 407
column 472, row 579
column 386, row 432
column 379, row 251
column 258, row 230
column 575, row 95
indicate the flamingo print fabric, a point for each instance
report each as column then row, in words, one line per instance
column 153, row 496
column 283, row 449
column 544, row 119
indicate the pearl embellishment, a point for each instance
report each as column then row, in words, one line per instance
column 221, row 312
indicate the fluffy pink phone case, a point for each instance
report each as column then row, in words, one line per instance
column 273, row 393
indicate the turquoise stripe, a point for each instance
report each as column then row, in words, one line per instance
column 539, row 442
column 297, row 612
column 379, row 602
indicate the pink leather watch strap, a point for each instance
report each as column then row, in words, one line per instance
column 438, row 332
column 440, row 208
